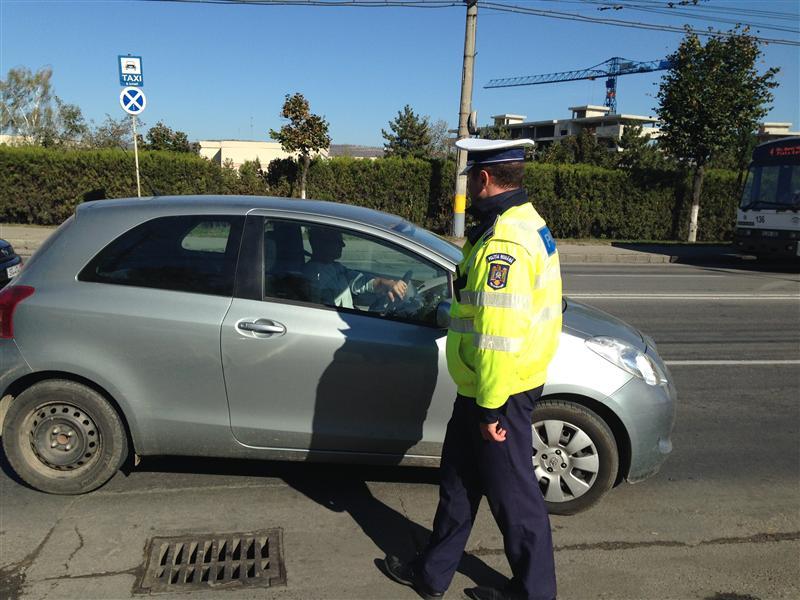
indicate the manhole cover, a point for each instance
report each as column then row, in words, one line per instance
column 214, row 560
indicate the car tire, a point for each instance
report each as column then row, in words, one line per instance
column 583, row 461
column 63, row 437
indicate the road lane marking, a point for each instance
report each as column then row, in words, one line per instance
column 713, row 363
column 612, row 296
column 641, row 275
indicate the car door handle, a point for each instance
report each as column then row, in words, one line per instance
column 262, row 326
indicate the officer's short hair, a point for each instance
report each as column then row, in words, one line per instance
column 506, row 175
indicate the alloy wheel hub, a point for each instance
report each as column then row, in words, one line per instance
column 553, row 460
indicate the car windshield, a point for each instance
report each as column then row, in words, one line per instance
column 772, row 186
column 431, row 240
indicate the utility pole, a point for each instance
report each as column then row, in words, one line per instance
column 460, row 200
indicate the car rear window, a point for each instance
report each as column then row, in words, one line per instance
column 185, row 253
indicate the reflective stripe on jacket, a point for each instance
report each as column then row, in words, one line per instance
column 505, row 319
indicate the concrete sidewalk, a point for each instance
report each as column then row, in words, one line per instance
column 27, row 238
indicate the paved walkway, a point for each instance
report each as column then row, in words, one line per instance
column 27, row 238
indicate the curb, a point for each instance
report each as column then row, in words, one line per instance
column 641, row 259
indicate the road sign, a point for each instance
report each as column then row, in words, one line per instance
column 132, row 100
column 130, row 71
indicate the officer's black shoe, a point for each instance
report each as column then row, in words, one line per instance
column 404, row 573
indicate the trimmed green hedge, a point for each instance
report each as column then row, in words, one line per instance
column 43, row 186
column 580, row 201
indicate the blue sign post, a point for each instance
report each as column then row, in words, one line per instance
column 130, row 71
column 133, row 101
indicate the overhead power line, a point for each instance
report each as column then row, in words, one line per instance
column 494, row 6
column 697, row 14
column 510, row 8
column 704, row 6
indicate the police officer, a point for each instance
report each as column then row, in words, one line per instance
column 505, row 323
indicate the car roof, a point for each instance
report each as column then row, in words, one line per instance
column 243, row 205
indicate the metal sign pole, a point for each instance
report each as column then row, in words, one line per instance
column 136, row 156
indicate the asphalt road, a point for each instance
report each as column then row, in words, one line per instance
column 721, row 521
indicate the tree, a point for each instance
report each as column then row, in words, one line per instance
column 111, row 133
column 494, row 132
column 441, row 141
column 305, row 133
column 409, row 135
column 709, row 100
column 161, row 137
column 26, row 106
column 583, row 148
column 639, row 151
column 70, row 126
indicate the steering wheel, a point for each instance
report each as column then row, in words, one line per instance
column 383, row 304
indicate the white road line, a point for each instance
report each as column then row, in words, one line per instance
column 686, row 363
column 639, row 275
column 612, row 296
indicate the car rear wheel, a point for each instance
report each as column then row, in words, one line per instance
column 63, row 437
column 575, row 456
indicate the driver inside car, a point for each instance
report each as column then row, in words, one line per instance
column 333, row 284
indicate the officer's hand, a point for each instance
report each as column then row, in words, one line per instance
column 493, row 432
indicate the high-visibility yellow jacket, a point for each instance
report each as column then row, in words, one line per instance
column 505, row 319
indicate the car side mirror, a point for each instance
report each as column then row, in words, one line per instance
column 443, row 314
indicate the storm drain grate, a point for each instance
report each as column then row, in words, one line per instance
column 207, row 561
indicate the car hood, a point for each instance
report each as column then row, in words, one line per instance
column 592, row 322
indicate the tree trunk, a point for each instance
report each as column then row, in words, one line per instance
column 306, row 162
column 697, row 187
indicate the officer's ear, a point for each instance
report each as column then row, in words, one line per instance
column 484, row 177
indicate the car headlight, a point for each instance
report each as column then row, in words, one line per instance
column 628, row 358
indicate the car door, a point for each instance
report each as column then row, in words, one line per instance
column 304, row 373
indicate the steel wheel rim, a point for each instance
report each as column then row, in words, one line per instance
column 63, row 437
column 565, row 460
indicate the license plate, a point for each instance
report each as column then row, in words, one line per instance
column 769, row 234
column 12, row 271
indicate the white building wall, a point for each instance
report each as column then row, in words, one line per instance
column 238, row 152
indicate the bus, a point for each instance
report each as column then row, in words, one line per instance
column 768, row 219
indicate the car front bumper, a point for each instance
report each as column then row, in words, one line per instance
column 648, row 412
column 778, row 247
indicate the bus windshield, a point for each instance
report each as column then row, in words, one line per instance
column 772, row 186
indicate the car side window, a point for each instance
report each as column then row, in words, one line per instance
column 350, row 271
column 183, row 253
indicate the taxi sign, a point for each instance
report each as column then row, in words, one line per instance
column 132, row 100
column 130, row 71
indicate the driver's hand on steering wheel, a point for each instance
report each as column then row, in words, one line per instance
column 395, row 288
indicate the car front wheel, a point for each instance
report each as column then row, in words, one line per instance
column 575, row 456
column 63, row 437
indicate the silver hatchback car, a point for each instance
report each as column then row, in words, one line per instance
column 260, row 328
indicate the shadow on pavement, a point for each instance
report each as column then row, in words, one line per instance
column 717, row 255
column 342, row 488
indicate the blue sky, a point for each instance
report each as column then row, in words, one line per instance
column 221, row 72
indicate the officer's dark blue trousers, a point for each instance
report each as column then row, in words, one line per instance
column 502, row 471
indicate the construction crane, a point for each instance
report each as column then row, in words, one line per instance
column 612, row 68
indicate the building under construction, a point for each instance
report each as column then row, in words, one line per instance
column 597, row 120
